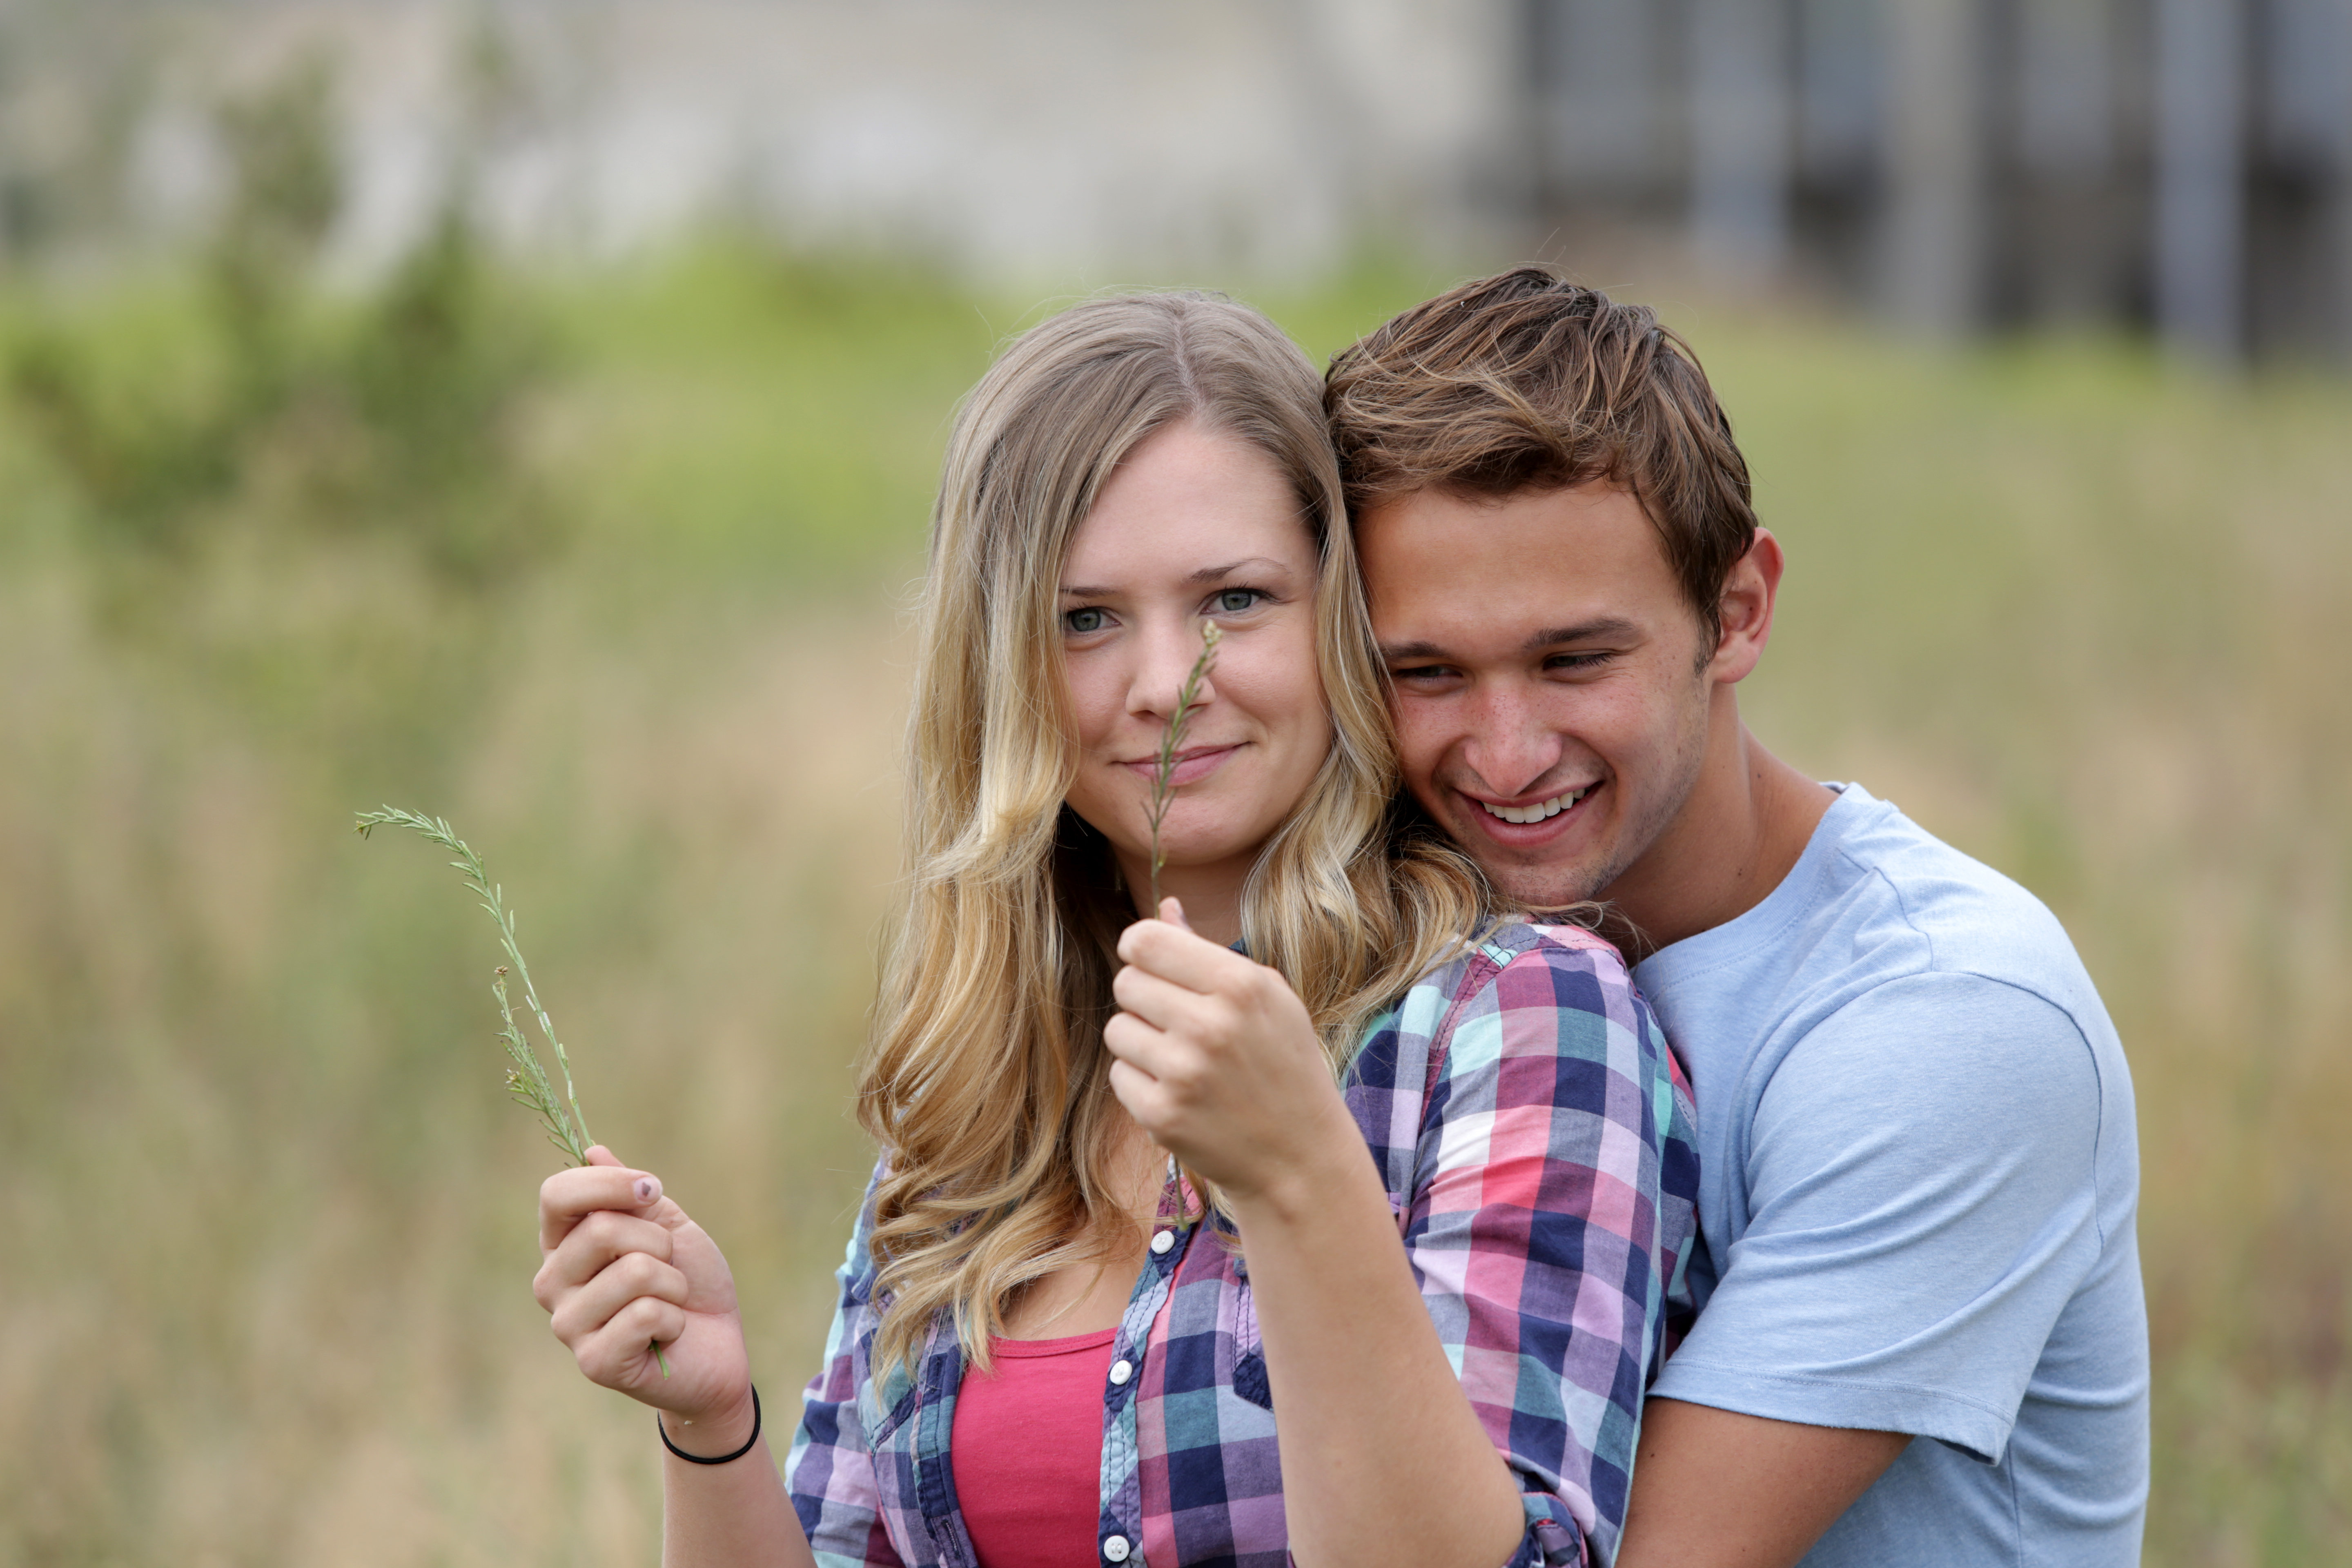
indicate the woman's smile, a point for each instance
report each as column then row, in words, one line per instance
column 1194, row 764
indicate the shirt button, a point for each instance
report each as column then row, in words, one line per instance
column 1120, row 1371
column 1161, row 1243
column 1115, row 1549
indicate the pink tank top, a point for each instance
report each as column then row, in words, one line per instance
column 1027, row 1450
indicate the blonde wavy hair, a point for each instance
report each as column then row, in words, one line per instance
column 985, row 1080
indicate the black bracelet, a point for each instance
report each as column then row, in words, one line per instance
column 723, row 1458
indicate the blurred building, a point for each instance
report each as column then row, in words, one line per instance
column 1963, row 165
column 1958, row 165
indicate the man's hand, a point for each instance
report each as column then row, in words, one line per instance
column 1713, row 1488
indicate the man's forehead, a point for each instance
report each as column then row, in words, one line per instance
column 1537, row 567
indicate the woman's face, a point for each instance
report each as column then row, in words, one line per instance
column 1193, row 526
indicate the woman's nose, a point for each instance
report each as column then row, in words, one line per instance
column 1166, row 656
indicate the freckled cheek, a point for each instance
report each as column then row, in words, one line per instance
column 1631, row 730
column 1421, row 739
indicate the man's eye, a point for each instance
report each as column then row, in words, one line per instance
column 1081, row 623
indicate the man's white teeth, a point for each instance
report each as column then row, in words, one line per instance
column 1541, row 808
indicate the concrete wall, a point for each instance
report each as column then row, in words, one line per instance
column 1034, row 137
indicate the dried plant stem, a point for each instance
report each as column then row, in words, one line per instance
column 1172, row 741
column 527, row 1080
column 567, row 1128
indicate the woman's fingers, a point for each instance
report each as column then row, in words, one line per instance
column 595, row 1243
column 620, row 1353
column 1172, row 953
column 1145, row 1098
column 568, row 1197
column 1162, row 1002
column 1138, row 1045
column 632, row 1276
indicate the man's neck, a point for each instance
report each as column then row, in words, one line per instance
column 1738, row 834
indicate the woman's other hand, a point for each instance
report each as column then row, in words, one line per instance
column 1218, row 1060
column 622, row 1270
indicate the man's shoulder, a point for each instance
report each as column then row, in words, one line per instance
column 1880, row 927
column 1896, row 899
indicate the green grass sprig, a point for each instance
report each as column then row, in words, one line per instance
column 527, row 1080
column 1172, row 741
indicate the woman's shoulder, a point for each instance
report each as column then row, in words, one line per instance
column 1521, row 979
column 1529, row 1017
column 1512, row 954
column 1547, row 940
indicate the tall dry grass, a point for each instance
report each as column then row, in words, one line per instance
column 270, row 1217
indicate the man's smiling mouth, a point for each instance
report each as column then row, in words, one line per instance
column 1540, row 809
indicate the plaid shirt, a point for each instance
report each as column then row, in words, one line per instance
column 1536, row 1138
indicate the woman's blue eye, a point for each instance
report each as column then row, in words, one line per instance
column 1234, row 601
column 1082, row 622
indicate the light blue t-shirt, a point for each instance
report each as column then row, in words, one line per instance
column 1919, row 1176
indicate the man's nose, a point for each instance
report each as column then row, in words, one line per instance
column 1509, row 744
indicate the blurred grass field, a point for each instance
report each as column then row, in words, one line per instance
column 265, row 1299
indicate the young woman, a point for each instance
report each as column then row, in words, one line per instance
column 1320, row 1214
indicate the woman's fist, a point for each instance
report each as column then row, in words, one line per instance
column 1218, row 1060
column 629, row 1281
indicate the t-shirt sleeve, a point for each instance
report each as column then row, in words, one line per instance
column 1922, row 1205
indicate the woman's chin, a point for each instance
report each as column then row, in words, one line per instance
column 1210, row 856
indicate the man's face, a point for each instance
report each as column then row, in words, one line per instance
column 1550, row 683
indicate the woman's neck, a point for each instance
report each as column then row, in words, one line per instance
column 1211, row 894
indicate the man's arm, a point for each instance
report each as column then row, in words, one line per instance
column 1714, row 1488
column 1888, row 1232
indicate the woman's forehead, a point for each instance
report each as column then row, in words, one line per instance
column 1184, row 504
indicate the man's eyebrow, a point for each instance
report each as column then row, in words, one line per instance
column 1582, row 631
column 1550, row 637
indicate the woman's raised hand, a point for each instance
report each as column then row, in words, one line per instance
column 1218, row 1060
column 622, row 1270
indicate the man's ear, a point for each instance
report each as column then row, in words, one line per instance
column 1744, row 609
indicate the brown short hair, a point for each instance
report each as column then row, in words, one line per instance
column 1525, row 381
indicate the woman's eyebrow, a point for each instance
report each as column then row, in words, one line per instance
column 1205, row 575
column 1218, row 573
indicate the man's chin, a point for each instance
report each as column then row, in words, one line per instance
column 1536, row 894
column 1536, row 885
column 1522, row 886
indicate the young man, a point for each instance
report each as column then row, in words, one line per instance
column 1926, row 1344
